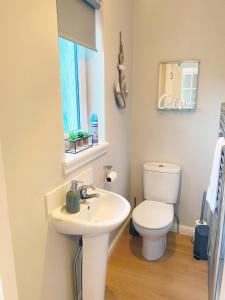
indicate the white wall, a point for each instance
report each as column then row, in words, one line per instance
column 118, row 121
column 168, row 31
column 32, row 137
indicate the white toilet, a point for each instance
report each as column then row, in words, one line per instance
column 153, row 217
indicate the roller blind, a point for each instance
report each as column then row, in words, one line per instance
column 76, row 21
column 94, row 3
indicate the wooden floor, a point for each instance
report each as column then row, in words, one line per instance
column 176, row 276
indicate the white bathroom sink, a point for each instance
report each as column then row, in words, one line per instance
column 98, row 215
column 95, row 220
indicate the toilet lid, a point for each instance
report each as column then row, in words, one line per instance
column 153, row 214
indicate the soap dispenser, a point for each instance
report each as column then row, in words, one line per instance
column 73, row 198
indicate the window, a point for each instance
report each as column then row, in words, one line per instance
column 82, row 75
column 73, row 85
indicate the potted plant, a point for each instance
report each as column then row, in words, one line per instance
column 75, row 138
column 78, row 141
column 79, row 137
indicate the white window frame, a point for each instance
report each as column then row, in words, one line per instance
column 82, row 89
column 71, row 161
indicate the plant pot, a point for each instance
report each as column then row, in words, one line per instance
column 86, row 141
column 79, row 142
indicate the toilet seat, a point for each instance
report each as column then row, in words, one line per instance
column 153, row 214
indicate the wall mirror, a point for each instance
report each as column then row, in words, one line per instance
column 178, row 84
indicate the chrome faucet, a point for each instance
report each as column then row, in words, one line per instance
column 84, row 194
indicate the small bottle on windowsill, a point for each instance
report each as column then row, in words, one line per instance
column 94, row 128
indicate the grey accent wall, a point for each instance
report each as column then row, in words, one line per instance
column 168, row 31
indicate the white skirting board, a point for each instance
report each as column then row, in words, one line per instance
column 183, row 229
column 118, row 236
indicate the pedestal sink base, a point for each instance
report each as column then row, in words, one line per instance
column 95, row 255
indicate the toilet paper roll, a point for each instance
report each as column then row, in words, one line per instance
column 197, row 222
column 111, row 176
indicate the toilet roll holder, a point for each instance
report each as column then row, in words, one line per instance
column 110, row 174
column 107, row 169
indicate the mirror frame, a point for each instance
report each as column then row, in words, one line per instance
column 175, row 62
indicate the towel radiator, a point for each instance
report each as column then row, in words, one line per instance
column 216, row 249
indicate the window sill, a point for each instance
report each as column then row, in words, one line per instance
column 74, row 161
